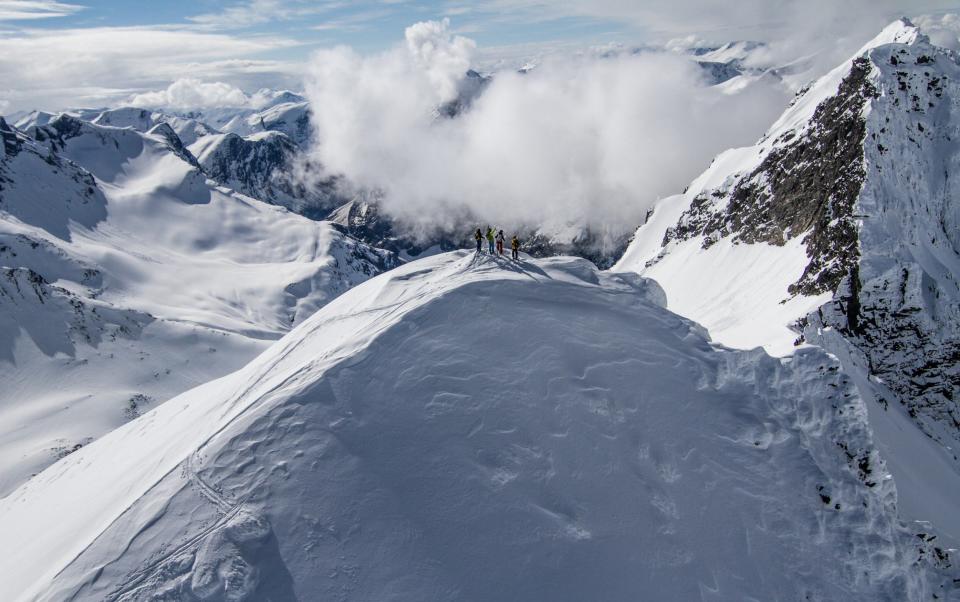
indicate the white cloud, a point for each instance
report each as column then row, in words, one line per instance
column 54, row 69
column 581, row 140
column 944, row 30
column 442, row 56
column 24, row 10
column 189, row 93
column 355, row 21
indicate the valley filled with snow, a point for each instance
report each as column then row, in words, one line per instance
column 230, row 371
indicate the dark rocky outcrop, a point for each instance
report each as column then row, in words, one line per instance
column 806, row 186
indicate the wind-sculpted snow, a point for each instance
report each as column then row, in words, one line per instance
column 467, row 428
column 150, row 279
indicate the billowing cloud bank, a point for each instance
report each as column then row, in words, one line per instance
column 586, row 140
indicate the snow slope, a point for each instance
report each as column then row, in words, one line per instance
column 839, row 228
column 468, row 428
column 133, row 278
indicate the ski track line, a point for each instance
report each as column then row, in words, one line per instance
column 206, row 489
column 228, row 510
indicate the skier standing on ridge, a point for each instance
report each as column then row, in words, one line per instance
column 500, row 238
column 490, row 239
column 515, row 247
column 478, row 235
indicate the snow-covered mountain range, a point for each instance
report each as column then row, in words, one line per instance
column 758, row 401
column 129, row 276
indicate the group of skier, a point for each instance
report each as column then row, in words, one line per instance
column 495, row 242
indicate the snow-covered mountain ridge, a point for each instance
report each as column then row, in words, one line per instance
column 842, row 219
column 411, row 440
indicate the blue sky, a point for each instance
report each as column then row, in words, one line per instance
column 368, row 25
column 55, row 54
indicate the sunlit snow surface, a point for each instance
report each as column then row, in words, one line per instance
column 468, row 428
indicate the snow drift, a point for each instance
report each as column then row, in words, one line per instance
column 468, row 428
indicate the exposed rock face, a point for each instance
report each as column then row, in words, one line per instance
column 268, row 167
column 900, row 305
column 57, row 131
column 720, row 72
column 163, row 130
column 10, row 140
column 361, row 218
column 806, row 186
column 471, row 87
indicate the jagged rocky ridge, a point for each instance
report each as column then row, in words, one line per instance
column 805, row 186
column 900, row 304
column 861, row 172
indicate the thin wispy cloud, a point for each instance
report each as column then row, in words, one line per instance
column 354, row 21
column 27, row 10
column 249, row 43
column 257, row 12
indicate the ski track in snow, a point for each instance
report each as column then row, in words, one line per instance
column 228, row 509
